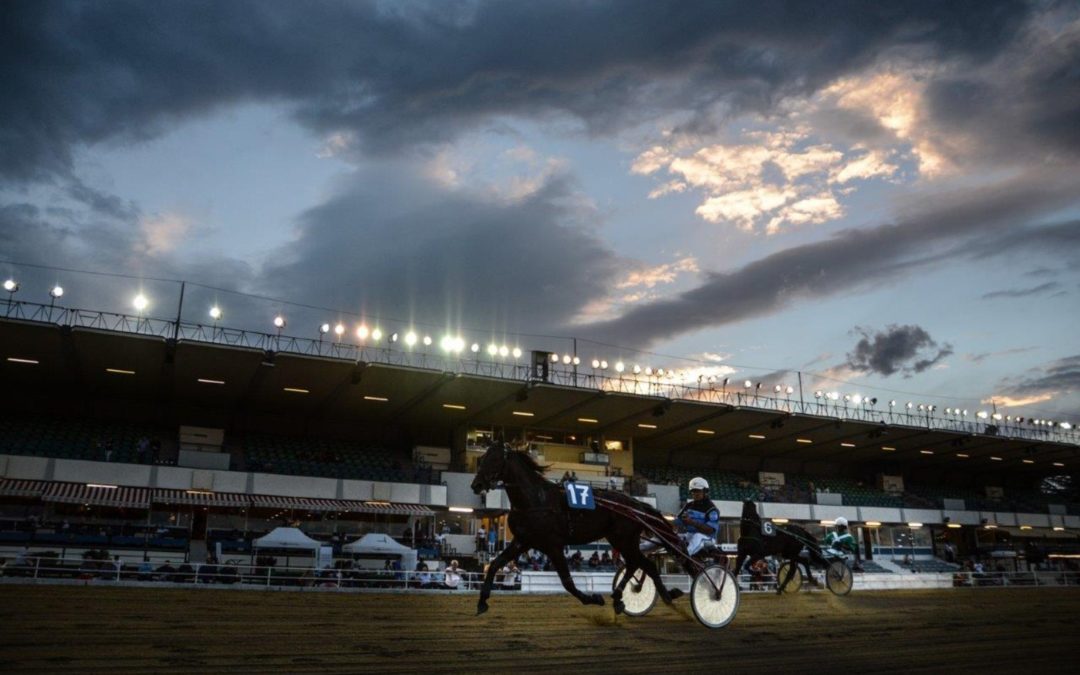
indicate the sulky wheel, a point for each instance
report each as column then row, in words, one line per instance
column 796, row 582
column 639, row 596
column 838, row 578
column 714, row 597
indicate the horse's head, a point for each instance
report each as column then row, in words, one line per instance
column 749, row 511
column 491, row 469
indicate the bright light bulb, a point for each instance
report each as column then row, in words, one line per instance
column 619, row 366
column 140, row 302
column 376, row 335
column 215, row 312
column 516, row 352
column 339, row 330
column 492, row 349
column 10, row 285
column 410, row 338
column 474, row 348
column 596, row 363
column 362, row 332
column 57, row 291
column 427, row 340
column 279, row 321
column 566, row 359
column 504, row 350
column 325, row 328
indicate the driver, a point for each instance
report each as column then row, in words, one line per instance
column 841, row 540
column 699, row 520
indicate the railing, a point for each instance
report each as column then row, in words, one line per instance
column 660, row 384
column 233, row 573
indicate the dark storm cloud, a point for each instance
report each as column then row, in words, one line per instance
column 1022, row 292
column 977, row 223
column 1056, row 378
column 903, row 349
column 1022, row 105
column 400, row 74
column 394, row 248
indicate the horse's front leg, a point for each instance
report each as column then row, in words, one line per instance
column 558, row 561
column 510, row 552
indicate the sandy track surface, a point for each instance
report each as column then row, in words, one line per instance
column 117, row 630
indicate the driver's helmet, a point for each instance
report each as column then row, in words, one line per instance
column 699, row 483
column 841, row 523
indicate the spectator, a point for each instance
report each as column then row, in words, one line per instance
column 452, row 575
column 594, row 561
column 511, row 577
column 481, row 537
column 166, row 571
column 423, row 576
column 142, row 450
column 145, row 571
column 605, row 560
column 493, row 537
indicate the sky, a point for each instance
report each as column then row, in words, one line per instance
column 883, row 197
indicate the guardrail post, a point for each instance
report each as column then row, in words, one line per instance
column 37, row 564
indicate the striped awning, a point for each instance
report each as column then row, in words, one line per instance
column 12, row 487
column 98, row 495
column 392, row 509
column 222, row 500
column 298, row 503
column 338, row 505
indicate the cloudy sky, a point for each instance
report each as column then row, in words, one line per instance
column 884, row 194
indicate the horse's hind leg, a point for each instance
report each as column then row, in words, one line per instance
column 636, row 557
column 510, row 552
column 629, row 570
column 558, row 561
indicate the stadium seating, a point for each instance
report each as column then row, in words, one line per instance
column 328, row 459
column 71, row 438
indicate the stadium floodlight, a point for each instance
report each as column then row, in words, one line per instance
column 619, row 366
column 376, row 334
column 909, row 405
column 324, row 329
column 279, row 321
column 747, row 384
column 637, row 369
column 576, row 360
column 789, row 390
column 339, row 330
column 504, row 350
column 362, row 332
column 777, row 388
column 474, row 348
column 982, row 414
column 648, row 370
column 818, row 393
column 11, row 286
column 596, row 363
column 140, row 302
column 603, row 364
column 493, row 350
column 516, row 353
column 410, row 338
column 57, row 291
column 566, row 359
column 446, row 343
column 554, row 357
column 215, row 312
column 427, row 340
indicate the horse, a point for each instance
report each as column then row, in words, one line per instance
column 786, row 542
column 541, row 519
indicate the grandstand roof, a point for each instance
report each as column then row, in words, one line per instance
column 127, row 366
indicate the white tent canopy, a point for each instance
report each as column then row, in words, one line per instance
column 382, row 545
column 287, row 538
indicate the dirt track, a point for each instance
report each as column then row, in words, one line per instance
column 79, row 629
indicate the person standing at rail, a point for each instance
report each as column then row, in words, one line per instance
column 699, row 520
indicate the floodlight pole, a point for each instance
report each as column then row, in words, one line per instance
column 802, row 403
column 179, row 313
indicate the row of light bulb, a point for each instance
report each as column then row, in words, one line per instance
column 12, row 286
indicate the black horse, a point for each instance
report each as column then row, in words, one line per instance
column 541, row 519
column 786, row 542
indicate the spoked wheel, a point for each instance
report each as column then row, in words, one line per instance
column 796, row 582
column 838, row 578
column 714, row 597
column 639, row 596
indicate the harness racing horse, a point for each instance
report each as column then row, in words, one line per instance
column 786, row 542
column 541, row 519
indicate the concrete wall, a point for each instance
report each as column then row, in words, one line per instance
column 26, row 468
column 459, row 492
column 667, row 497
column 81, row 471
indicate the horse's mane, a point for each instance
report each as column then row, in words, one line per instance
column 539, row 469
column 530, row 463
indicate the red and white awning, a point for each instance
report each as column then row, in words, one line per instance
column 13, row 487
column 98, row 495
column 338, row 505
column 221, row 500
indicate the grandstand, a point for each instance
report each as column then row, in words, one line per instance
column 329, row 437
